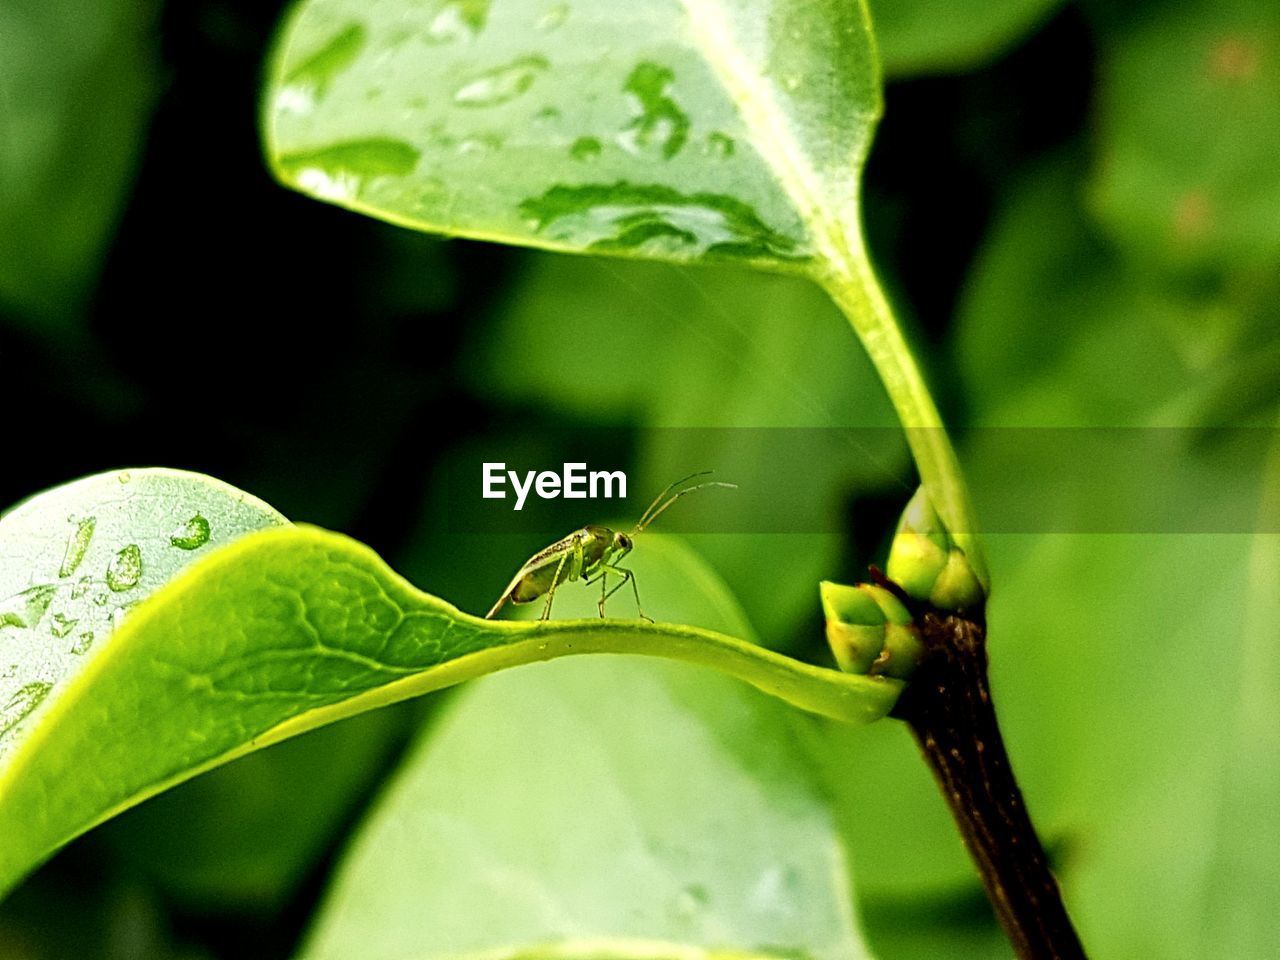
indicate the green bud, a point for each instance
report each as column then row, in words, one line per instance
column 903, row 651
column 869, row 630
column 927, row 564
column 957, row 586
column 855, row 626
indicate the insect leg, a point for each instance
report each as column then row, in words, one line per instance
column 551, row 593
column 627, row 576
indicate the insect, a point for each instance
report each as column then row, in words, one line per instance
column 591, row 554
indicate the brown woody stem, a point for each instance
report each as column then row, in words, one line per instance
column 948, row 707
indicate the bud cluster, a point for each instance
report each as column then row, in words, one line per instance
column 869, row 628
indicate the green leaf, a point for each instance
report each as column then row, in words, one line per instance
column 280, row 632
column 251, row 832
column 669, row 129
column 1189, row 133
column 935, row 36
column 1044, row 270
column 676, row 129
column 1122, row 622
column 530, row 822
column 75, row 560
column 77, row 82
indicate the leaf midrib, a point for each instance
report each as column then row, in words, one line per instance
column 836, row 237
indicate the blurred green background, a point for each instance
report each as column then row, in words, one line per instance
column 1077, row 210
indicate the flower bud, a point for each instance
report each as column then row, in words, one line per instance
column 869, row 630
column 926, row 562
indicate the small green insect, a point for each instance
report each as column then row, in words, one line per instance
column 590, row 554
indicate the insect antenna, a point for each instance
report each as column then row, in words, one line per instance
column 645, row 518
column 662, row 501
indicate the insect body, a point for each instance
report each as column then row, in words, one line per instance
column 590, row 554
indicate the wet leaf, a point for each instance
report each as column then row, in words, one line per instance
column 675, row 129
column 280, row 632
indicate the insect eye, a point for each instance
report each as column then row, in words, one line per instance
column 624, row 541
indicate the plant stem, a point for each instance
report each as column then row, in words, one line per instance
column 948, row 702
column 948, row 707
column 851, row 283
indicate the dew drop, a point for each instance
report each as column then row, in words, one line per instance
column 27, row 609
column 480, row 146
column 340, row 171
column 77, row 544
column 120, row 614
column 501, row 84
column 60, row 625
column 22, row 703
column 125, row 569
column 721, row 145
column 554, row 17
column 81, row 587
column 83, row 643
column 659, row 120
column 689, row 902
column 585, row 148
column 191, row 535
column 309, row 81
column 458, row 20
column 124, row 476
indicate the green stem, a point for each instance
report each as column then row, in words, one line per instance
column 852, row 285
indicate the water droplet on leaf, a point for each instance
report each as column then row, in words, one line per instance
column 191, row 535
column 626, row 216
column 61, row 625
column 125, row 569
column 340, row 171
column 77, row 544
column 660, row 120
column 501, row 84
column 27, row 609
column 585, row 148
column 554, row 17
column 83, row 643
column 458, row 20
column 308, row 82
column 721, row 145
column 22, row 703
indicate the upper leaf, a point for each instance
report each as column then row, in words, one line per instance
column 676, row 129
